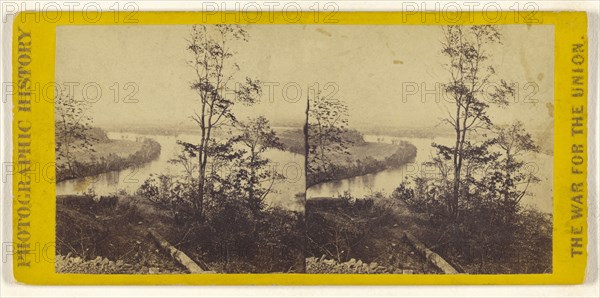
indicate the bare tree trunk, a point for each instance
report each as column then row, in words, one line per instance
column 199, row 203
column 456, row 185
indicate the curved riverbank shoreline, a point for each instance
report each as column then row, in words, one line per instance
column 108, row 160
column 369, row 158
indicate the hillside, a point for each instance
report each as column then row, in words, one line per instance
column 105, row 155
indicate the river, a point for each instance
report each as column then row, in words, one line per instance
column 386, row 181
column 287, row 193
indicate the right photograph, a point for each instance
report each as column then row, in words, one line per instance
column 433, row 154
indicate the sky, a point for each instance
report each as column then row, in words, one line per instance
column 369, row 67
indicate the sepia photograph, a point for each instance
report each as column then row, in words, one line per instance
column 435, row 156
column 173, row 156
column 361, row 149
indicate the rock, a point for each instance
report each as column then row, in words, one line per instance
column 359, row 263
column 77, row 260
column 393, row 244
column 352, row 262
column 373, row 265
column 120, row 263
column 153, row 270
column 144, row 269
column 408, row 271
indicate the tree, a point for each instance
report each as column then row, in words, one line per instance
column 72, row 131
column 471, row 94
column 187, row 160
column 257, row 137
column 327, row 129
column 474, row 207
column 514, row 142
column 214, row 71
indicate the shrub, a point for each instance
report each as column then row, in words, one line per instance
column 489, row 236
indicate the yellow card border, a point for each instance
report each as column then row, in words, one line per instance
column 34, row 207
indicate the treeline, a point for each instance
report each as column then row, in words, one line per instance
column 149, row 151
column 406, row 153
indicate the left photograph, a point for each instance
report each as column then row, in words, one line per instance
column 179, row 149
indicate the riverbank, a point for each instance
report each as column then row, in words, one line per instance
column 365, row 158
column 109, row 155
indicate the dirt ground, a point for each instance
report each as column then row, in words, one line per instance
column 381, row 240
column 95, row 232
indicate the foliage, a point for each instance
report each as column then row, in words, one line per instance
column 337, row 227
column 217, row 200
column 473, row 205
column 345, row 229
column 330, row 141
column 168, row 192
column 148, row 151
column 214, row 70
column 72, row 132
column 494, row 233
column 404, row 154
column 237, row 235
column 468, row 88
column 327, row 131
column 257, row 137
